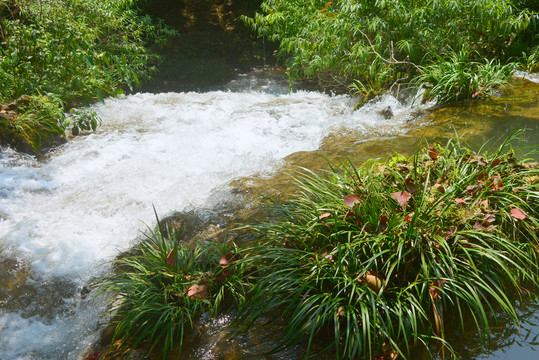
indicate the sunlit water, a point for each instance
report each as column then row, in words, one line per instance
column 63, row 219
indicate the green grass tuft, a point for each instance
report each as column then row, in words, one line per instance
column 378, row 258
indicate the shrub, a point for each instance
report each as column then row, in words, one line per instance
column 380, row 42
column 379, row 257
column 78, row 50
column 73, row 51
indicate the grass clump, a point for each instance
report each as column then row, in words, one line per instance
column 458, row 78
column 381, row 258
column 161, row 289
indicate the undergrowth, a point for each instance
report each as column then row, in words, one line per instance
column 371, row 261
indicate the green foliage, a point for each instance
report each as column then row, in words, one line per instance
column 377, row 258
column 459, row 78
column 162, row 288
column 39, row 118
column 79, row 50
column 76, row 51
column 83, row 119
column 336, row 43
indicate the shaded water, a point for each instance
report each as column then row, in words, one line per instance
column 64, row 218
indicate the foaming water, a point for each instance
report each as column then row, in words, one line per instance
column 65, row 218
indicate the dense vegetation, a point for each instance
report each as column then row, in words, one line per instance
column 458, row 47
column 65, row 53
column 372, row 260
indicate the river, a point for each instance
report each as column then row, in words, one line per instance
column 64, row 217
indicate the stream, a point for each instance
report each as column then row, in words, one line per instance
column 66, row 216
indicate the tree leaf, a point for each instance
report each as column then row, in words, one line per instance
column 351, row 200
column 460, row 201
column 198, row 291
column 402, row 198
column 324, row 215
column 517, row 213
column 170, row 258
column 433, row 153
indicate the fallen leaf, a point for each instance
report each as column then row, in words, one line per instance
column 228, row 259
column 410, row 186
column 433, row 153
column 383, row 223
column 496, row 162
column 482, row 226
column 489, row 218
column 451, row 231
column 372, row 281
column 324, row 215
column 435, row 289
column 480, row 161
column 408, row 218
column 170, row 258
column 341, row 311
column 93, row 356
column 351, row 200
column 198, row 291
column 440, row 188
column 517, row 213
column 402, row 198
column 496, row 184
column 460, row 201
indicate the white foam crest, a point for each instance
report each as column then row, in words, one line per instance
column 36, row 338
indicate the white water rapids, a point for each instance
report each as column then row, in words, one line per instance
column 65, row 218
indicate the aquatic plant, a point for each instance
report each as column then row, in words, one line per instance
column 161, row 288
column 378, row 259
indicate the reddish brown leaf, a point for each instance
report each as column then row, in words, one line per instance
column 402, row 198
column 383, row 223
column 372, row 281
column 496, row 184
column 324, row 215
column 440, row 188
column 408, row 218
column 460, row 201
column 170, row 257
column 198, row 291
column 93, row 356
column 517, row 213
column 435, row 289
column 410, row 186
column 470, row 189
column 433, row 153
column 496, row 162
column 480, row 161
column 478, row 226
column 351, row 200
column 228, row 259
